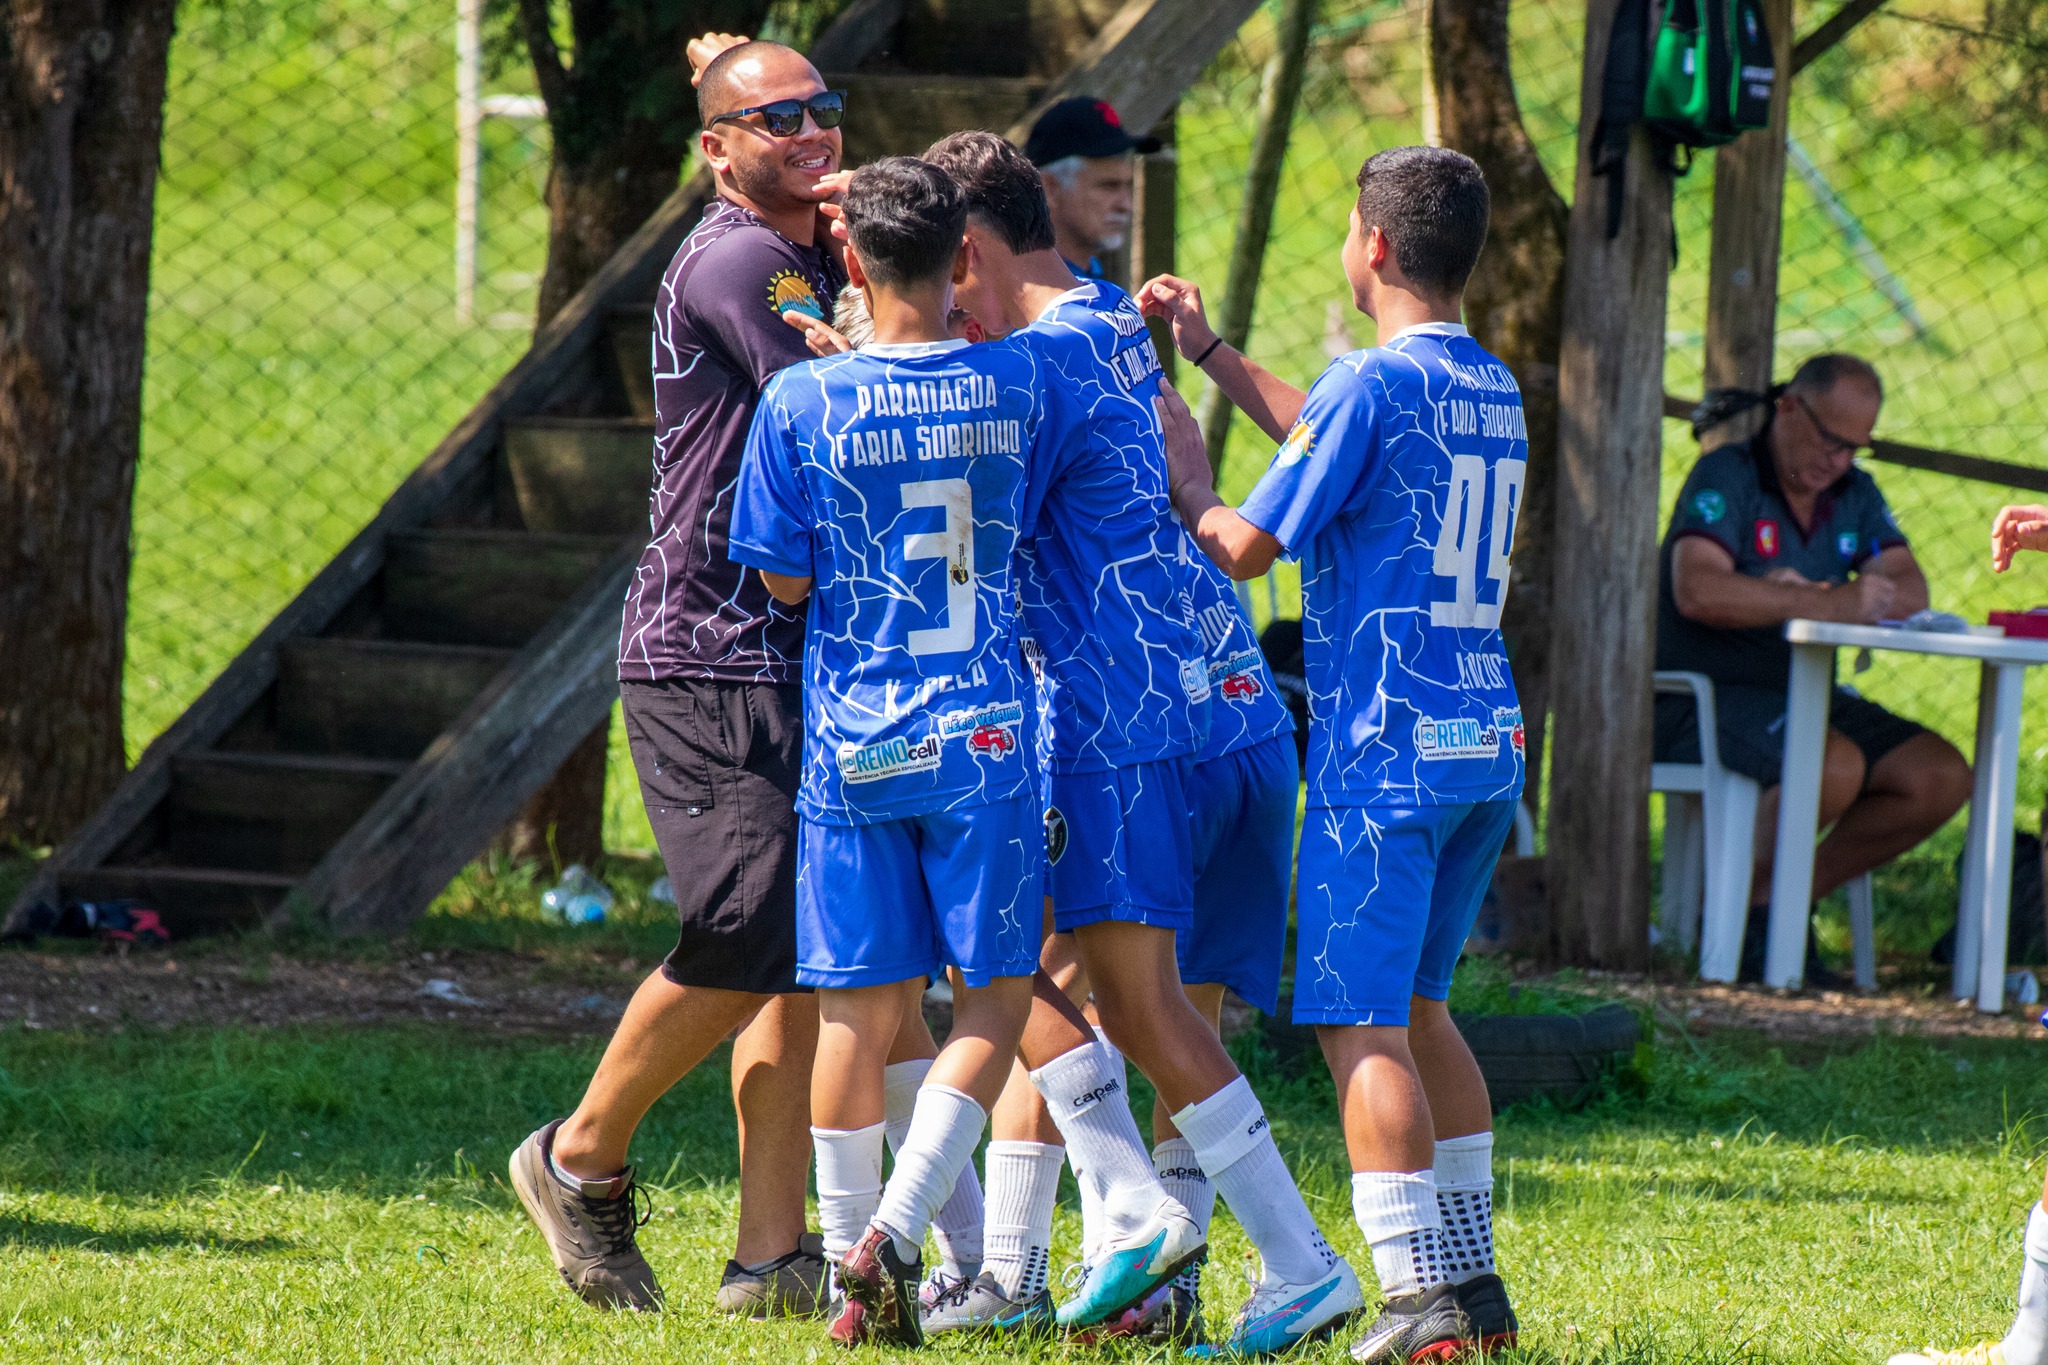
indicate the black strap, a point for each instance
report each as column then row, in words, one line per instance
column 1622, row 83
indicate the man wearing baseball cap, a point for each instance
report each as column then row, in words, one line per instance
column 1082, row 149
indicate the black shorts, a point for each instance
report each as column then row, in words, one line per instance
column 719, row 764
column 1750, row 725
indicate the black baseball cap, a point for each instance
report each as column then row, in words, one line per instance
column 1081, row 126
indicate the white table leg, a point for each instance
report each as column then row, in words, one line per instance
column 1976, row 842
column 1806, row 735
column 2005, row 683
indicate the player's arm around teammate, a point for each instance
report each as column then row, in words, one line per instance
column 1383, row 487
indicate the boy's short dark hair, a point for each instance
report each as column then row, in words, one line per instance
column 1004, row 190
column 1431, row 205
column 905, row 218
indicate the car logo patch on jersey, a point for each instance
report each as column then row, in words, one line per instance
column 1242, row 687
column 1767, row 538
column 1507, row 720
column 1455, row 737
column 790, row 292
column 1709, row 505
column 1055, row 834
column 1300, row 444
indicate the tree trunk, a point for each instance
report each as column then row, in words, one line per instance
column 81, row 127
column 622, row 116
column 1514, row 306
column 1610, row 404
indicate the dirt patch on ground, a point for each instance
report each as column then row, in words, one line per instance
column 495, row 992
column 1811, row 1015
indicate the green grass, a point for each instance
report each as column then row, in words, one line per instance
column 339, row 1195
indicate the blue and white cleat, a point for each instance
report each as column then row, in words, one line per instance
column 1280, row 1316
column 1128, row 1269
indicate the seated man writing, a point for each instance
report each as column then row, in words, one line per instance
column 1782, row 526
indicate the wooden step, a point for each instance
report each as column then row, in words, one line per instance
column 630, row 333
column 581, row 475
column 375, row 698
column 483, row 587
column 192, row 900
column 267, row 812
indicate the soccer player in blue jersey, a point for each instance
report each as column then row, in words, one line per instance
column 891, row 486
column 1106, row 598
column 1396, row 486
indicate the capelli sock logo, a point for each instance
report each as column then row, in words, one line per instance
column 1100, row 1092
column 1184, row 1173
column 1258, row 1127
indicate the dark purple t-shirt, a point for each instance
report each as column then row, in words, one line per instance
column 691, row 612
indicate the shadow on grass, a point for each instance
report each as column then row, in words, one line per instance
column 43, row 1234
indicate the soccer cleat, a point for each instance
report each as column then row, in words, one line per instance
column 789, row 1286
column 1428, row 1325
column 1170, row 1315
column 936, row 1286
column 1983, row 1353
column 590, row 1231
column 881, row 1294
column 1485, row 1301
column 1280, row 1316
column 1127, row 1270
column 980, row 1305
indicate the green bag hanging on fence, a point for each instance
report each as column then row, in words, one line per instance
column 1711, row 73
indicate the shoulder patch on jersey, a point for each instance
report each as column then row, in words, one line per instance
column 1709, row 505
column 790, row 292
column 1300, row 444
column 1846, row 543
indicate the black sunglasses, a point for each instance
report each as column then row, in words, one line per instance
column 1829, row 438
column 785, row 118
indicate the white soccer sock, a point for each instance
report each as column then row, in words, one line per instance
column 1023, row 1185
column 945, row 1128
column 1233, row 1143
column 1398, row 1215
column 1182, row 1175
column 1464, row 1202
column 956, row 1230
column 849, row 1183
column 1091, row 1198
column 1088, row 1101
column 2027, row 1342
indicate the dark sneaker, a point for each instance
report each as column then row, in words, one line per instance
column 881, row 1294
column 789, row 1286
column 1425, row 1326
column 590, row 1231
column 980, row 1305
column 1485, row 1301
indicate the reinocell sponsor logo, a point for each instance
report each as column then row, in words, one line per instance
column 889, row 758
column 1455, row 737
column 954, row 724
column 1194, row 680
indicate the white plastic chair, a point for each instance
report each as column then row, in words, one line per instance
column 1709, row 850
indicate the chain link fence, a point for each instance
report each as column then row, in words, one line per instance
column 305, row 349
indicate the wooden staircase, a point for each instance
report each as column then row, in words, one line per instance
column 400, row 710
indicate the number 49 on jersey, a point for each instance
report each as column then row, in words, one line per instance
column 1475, row 501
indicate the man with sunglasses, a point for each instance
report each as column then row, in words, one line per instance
column 709, row 667
column 1781, row 526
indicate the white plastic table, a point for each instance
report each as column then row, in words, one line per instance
column 1985, row 896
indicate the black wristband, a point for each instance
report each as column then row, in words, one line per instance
column 1197, row 361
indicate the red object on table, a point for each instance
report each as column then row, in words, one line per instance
column 2025, row 625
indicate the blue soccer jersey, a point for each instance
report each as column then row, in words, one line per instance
column 1398, row 490
column 896, row 477
column 1244, row 705
column 1107, row 593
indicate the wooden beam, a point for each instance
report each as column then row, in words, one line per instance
column 1144, row 58
column 1832, row 30
column 631, row 274
column 1279, row 93
column 474, row 778
column 1742, row 265
column 1154, row 209
column 862, row 29
column 1604, row 643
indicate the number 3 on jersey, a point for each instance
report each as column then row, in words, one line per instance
column 955, row 545
column 1457, row 541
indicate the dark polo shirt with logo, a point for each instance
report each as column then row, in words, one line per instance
column 691, row 612
column 1732, row 498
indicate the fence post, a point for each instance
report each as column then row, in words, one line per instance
column 1278, row 94
column 1610, row 382
column 1742, row 270
column 1154, row 196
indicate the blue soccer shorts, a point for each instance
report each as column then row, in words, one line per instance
column 903, row 898
column 1243, row 804
column 1386, row 899
column 1119, row 847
